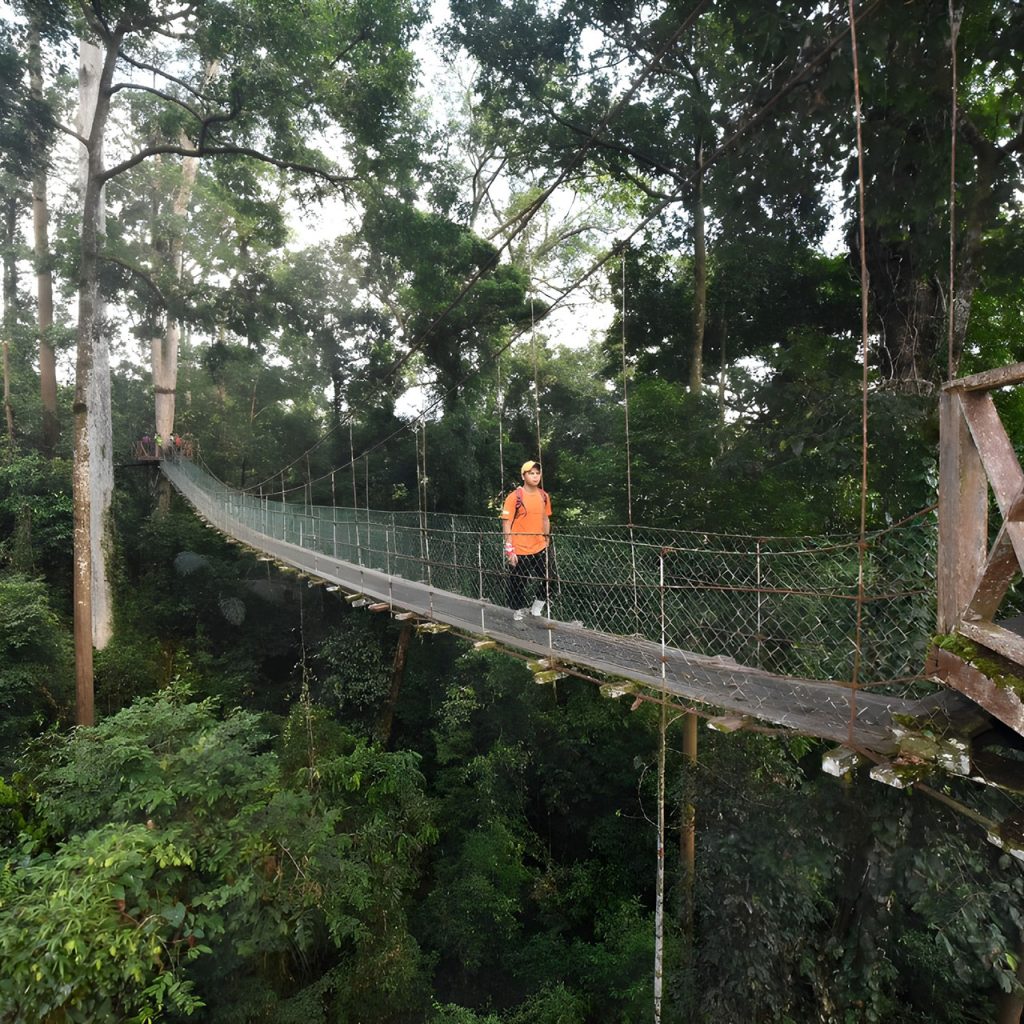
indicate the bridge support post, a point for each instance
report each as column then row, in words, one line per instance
column 688, row 841
column 963, row 513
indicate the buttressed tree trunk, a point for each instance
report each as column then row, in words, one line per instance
column 92, row 463
column 44, row 276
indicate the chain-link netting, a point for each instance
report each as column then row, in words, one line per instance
column 785, row 605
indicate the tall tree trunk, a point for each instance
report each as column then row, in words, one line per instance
column 688, row 832
column 8, row 408
column 10, row 298
column 659, row 878
column 700, row 277
column 44, row 275
column 397, row 676
column 165, row 349
column 92, row 462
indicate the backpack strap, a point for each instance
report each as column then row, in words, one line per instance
column 521, row 504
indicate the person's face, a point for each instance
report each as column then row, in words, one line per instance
column 532, row 476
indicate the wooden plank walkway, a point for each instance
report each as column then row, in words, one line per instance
column 827, row 710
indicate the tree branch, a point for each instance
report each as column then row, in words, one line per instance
column 158, row 93
column 980, row 143
column 203, row 151
column 153, row 69
column 138, row 272
column 617, row 147
column 71, row 131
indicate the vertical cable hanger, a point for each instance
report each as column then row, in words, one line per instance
column 421, row 479
column 625, row 399
column 862, row 545
column 352, row 465
column 955, row 17
column 536, row 366
column 355, row 495
column 501, row 430
column 629, row 458
column 548, row 559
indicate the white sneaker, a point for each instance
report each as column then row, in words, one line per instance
column 518, row 614
column 537, row 609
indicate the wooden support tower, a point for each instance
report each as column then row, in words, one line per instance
column 974, row 576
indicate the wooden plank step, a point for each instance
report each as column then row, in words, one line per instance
column 1001, row 702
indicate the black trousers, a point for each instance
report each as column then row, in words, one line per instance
column 527, row 580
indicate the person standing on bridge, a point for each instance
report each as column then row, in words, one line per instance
column 526, row 528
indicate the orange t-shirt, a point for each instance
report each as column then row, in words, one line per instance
column 528, row 534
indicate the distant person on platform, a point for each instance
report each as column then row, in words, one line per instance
column 526, row 526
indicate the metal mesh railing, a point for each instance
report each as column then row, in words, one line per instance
column 785, row 605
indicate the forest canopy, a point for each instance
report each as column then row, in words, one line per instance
column 375, row 254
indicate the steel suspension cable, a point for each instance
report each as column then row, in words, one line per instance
column 864, row 285
column 629, row 456
column 534, row 207
column 955, row 18
column 501, row 430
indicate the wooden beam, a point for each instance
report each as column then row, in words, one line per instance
column 963, row 514
column 996, row 450
column 1001, row 772
column 999, row 701
column 1001, row 567
column 1004, row 642
column 1000, row 377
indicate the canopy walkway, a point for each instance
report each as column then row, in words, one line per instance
column 749, row 625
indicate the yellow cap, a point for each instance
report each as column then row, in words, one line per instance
column 527, row 466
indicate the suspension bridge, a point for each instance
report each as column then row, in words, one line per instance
column 699, row 616
column 825, row 637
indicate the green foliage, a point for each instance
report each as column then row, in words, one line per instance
column 35, row 516
column 28, row 123
column 354, row 670
column 180, row 854
column 98, row 930
column 35, row 669
column 176, row 838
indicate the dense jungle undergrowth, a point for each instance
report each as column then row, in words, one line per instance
column 268, row 825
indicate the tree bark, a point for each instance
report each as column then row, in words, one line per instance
column 10, row 299
column 8, row 409
column 397, row 678
column 688, row 832
column 92, row 461
column 165, row 348
column 44, row 275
